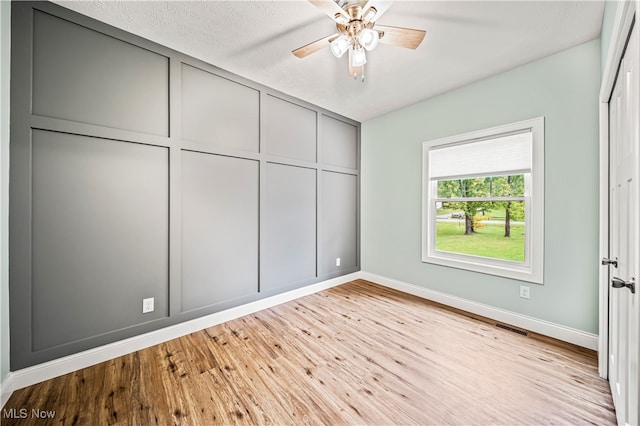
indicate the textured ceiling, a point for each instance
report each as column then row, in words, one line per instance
column 466, row 41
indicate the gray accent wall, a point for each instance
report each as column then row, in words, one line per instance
column 100, row 222
column 138, row 171
column 219, row 229
column 339, row 143
column 219, row 111
column 75, row 67
column 290, row 213
column 290, row 130
column 340, row 217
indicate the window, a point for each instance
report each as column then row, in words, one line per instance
column 483, row 201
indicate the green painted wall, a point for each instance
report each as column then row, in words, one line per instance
column 564, row 89
column 5, row 37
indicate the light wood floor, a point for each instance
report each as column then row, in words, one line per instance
column 354, row 354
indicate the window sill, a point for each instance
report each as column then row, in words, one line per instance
column 483, row 265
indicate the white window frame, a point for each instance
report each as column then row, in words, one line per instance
column 531, row 270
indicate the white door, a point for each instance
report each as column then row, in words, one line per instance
column 624, row 313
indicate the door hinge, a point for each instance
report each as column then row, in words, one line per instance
column 620, row 283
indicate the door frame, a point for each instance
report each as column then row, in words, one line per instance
column 624, row 18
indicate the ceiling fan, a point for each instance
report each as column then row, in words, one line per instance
column 358, row 32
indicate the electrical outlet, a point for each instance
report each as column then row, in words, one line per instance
column 524, row 291
column 147, row 305
column 337, row 261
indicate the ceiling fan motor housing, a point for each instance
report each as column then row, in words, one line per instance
column 357, row 21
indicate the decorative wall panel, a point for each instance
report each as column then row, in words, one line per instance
column 289, row 246
column 138, row 172
column 219, row 229
column 290, row 130
column 99, row 235
column 339, row 229
column 339, row 143
column 89, row 77
column 218, row 111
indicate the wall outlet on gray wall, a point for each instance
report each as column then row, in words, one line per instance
column 147, row 305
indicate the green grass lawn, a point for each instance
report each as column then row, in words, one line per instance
column 497, row 214
column 488, row 241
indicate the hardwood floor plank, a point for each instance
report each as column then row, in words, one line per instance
column 354, row 354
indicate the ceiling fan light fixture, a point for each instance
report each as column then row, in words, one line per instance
column 369, row 14
column 357, row 57
column 368, row 38
column 340, row 45
column 358, row 32
column 341, row 19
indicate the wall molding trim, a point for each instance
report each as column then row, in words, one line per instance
column 546, row 328
column 58, row 367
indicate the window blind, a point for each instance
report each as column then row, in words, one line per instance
column 505, row 155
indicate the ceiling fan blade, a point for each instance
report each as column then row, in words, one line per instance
column 380, row 7
column 330, row 8
column 314, row 46
column 402, row 37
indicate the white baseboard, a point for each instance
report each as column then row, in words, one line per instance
column 560, row 332
column 57, row 367
column 6, row 389
column 48, row 370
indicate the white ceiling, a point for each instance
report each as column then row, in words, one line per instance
column 466, row 41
